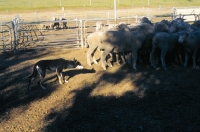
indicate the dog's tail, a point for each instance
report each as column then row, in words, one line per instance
column 34, row 73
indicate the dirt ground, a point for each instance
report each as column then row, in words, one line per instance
column 118, row 99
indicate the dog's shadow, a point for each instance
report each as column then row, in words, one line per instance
column 71, row 73
column 74, row 72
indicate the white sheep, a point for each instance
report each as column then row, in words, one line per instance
column 120, row 42
column 191, row 44
column 94, row 41
column 99, row 26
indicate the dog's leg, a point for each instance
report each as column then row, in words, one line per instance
column 42, row 73
column 29, row 84
column 63, row 79
column 40, row 83
column 60, row 76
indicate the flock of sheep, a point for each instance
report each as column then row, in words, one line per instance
column 129, row 42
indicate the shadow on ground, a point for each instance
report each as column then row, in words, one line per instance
column 157, row 101
column 163, row 101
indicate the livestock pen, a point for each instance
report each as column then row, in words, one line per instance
column 95, row 100
column 80, row 25
column 28, row 30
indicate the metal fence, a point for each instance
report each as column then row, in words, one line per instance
column 19, row 35
column 58, row 37
column 23, row 34
column 189, row 14
column 6, row 43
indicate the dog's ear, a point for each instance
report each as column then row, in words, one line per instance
column 74, row 60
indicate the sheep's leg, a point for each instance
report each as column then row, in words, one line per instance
column 194, row 58
column 91, row 52
column 109, row 61
column 157, row 58
column 93, row 58
column 152, row 58
column 162, row 58
column 103, row 58
column 176, row 58
column 198, row 57
column 134, row 53
column 118, row 58
column 180, row 57
column 186, row 59
column 129, row 58
column 88, row 58
column 122, row 55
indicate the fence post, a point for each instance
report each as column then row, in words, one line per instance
column 81, row 23
column 77, row 31
column 108, row 16
column 14, row 36
column 15, row 29
column 136, row 19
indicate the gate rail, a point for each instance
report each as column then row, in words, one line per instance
column 19, row 35
column 6, row 43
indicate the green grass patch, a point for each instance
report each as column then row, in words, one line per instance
column 164, row 15
column 24, row 5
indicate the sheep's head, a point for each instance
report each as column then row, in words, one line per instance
column 161, row 27
column 147, row 28
column 123, row 27
column 99, row 26
column 182, row 36
column 175, row 26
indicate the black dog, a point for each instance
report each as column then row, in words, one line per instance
column 57, row 64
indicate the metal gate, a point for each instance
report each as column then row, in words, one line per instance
column 20, row 35
column 6, row 43
column 43, row 35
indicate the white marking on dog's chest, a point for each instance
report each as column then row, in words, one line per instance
column 37, row 67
